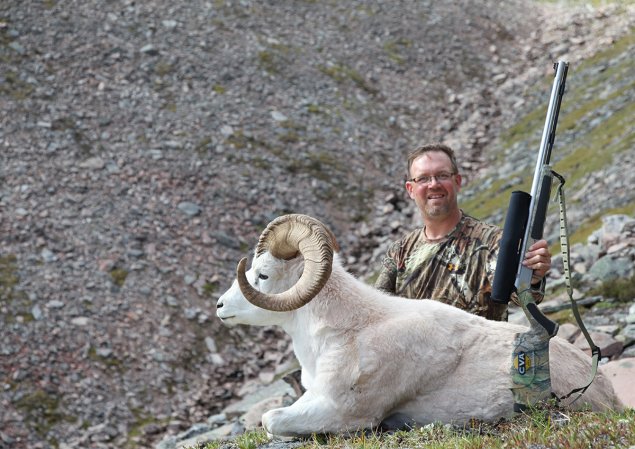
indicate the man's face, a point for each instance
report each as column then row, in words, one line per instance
column 435, row 199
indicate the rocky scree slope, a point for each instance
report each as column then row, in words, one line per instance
column 146, row 144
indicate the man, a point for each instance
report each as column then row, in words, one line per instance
column 451, row 258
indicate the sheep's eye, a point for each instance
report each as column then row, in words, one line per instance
column 263, row 276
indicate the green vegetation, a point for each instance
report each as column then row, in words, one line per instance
column 292, row 132
column 8, row 276
column 314, row 109
column 239, row 140
column 41, row 410
column 142, row 419
column 10, row 294
column 67, row 124
column 14, row 87
column 251, row 440
column 169, row 106
column 594, row 130
column 109, row 361
column 542, row 427
column 594, row 3
column 209, row 288
column 203, row 145
column 163, row 68
column 342, row 73
column 621, row 289
column 275, row 58
column 118, row 276
column 594, row 222
column 395, row 49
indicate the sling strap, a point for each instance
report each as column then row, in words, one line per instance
column 564, row 246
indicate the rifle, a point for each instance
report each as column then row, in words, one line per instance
column 524, row 223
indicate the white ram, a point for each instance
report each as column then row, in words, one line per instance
column 366, row 356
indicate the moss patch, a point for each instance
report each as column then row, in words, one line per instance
column 42, row 412
column 276, row 57
column 15, row 87
column 396, row 49
column 118, row 276
column 342, row 73
column 8, row 276
column 10, row 294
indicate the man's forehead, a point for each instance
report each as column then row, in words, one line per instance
column 432, row 158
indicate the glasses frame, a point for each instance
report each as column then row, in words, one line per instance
column 419, row 180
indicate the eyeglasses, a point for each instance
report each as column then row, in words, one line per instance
column 427, row 179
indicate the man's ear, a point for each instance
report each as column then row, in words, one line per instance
column 459, row 180
column 409, row 188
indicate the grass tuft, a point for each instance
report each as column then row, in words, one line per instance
column 542, row 427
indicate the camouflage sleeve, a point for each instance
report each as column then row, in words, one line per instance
column 387, row 278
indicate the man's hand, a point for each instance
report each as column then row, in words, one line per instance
column 538, row 259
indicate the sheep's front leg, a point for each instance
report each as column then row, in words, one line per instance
column 312, row 414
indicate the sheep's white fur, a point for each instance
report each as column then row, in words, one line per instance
column 366, row 355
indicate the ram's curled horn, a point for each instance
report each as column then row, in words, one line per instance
column 285, row 238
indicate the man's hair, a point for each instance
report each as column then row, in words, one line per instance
column 428, row 148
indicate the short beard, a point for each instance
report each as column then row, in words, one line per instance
column 437, row 211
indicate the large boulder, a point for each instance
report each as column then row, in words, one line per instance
column 622, row 373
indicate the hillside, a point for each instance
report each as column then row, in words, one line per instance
column 144, row 145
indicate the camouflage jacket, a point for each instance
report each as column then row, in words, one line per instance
column 456, row 270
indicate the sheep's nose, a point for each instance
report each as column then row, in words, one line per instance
column 219, row 304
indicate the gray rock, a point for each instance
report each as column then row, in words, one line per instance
column 93, row 163
column 211, row 344
column 608, row 345
column 608, row 268
column 54, row 304
column 568, row 331
column 614, row 224
column 278, row 388
column 227, row 240
column 169, row 24
column 189, row 208
column 18, row 48
column 48, row 256
column 37, row 313
column 278, row 116
column 627, row 334
column 149, row 49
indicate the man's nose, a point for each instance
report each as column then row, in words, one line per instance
column 433, row 181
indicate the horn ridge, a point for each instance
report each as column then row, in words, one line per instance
column 284, row 238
